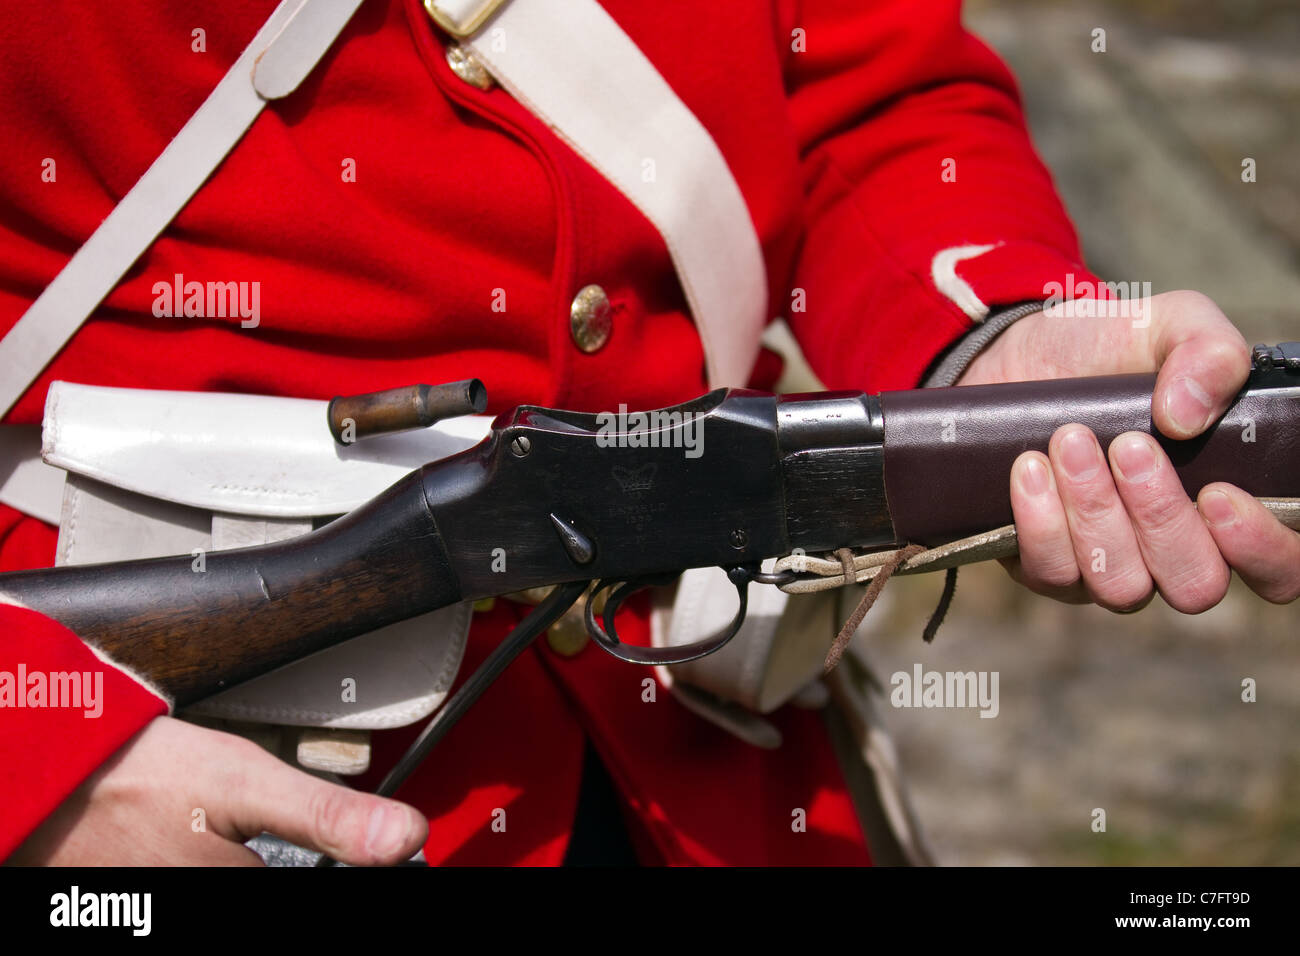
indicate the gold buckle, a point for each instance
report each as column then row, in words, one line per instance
column 467, row 30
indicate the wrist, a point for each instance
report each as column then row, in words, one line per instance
column 978, row 357
column 999, row 360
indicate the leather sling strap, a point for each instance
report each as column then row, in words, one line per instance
column 824, row 573
column 281, row 55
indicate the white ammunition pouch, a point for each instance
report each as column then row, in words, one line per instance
column 153, row 473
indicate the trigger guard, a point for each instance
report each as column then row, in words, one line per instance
column 607, row 636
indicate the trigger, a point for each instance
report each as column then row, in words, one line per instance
column 607, row 636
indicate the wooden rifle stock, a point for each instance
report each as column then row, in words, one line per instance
column 192, row 633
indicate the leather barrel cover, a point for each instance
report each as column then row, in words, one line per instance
column 948, row 451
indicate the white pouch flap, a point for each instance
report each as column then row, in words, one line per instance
column 154, row 472
column 245, row 454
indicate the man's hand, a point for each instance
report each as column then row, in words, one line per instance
column 1068, row 503
column 139, row 808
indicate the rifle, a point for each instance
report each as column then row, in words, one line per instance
column 564, row 498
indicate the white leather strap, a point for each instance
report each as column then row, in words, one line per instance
column 26, row 482
column 281, row 54
column 572, row 65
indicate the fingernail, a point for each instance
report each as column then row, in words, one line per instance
column 1218, row 509
column 1033, row 478
column 1135, row 458
column 1188, row 405
column 1080, row 454
column 387, row 829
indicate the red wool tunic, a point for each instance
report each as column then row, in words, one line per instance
column 838, row 120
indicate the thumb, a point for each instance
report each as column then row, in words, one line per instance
column 352, row 827
column 1203, row 362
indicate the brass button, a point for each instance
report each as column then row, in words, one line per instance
column 531, row 596
column 590, row 318
column 468, row 68
column 568, row 635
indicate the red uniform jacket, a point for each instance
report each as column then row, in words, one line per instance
column 865, row 137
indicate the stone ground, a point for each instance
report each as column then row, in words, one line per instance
column 1139, row 715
